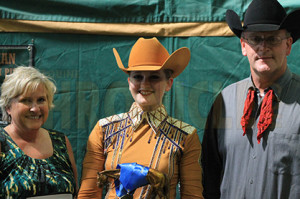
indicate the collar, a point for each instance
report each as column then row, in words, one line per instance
column 153, row 118
column 278, row 86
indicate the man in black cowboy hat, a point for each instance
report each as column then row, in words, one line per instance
column 251, row 144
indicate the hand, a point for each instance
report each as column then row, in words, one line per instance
column 159, row 182
column 102, row 177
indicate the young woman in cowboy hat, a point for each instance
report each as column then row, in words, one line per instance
column 145, row 136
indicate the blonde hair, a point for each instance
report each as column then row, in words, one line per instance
column 22, row 80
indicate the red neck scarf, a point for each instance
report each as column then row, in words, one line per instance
column 266, row 112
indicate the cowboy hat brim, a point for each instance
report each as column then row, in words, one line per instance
column 234, row 22
column 292, row 25
column 176, row 62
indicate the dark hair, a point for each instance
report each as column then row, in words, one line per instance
column 168, row 73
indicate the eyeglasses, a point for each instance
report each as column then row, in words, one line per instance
column 271, row 40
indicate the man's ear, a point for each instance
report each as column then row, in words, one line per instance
column 289, row 43
column 243, row 48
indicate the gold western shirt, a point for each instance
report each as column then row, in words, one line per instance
column 151, row 139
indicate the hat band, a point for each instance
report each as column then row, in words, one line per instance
column 261, row 27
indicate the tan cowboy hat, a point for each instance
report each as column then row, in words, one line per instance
column 151, row 55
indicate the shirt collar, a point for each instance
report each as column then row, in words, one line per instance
column 278, row 85
column 153, row 118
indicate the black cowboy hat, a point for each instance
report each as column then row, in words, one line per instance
column 265, row 15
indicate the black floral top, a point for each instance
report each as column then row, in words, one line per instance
column 22, row 176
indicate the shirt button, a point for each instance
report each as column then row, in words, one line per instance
column 251, row 181
column 254, row 156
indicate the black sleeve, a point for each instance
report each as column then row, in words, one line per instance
column 211, row 159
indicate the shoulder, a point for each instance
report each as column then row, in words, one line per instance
column 113, row 119
column 233, row 92
column 293, row 89
column 56, row 136
column 55, row 133
column 180, row 125
column 296, row 78
column 60, row 141
column 242, row 84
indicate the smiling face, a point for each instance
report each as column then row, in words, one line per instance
column 148, row 87
column 30, row 110
column 267, row 60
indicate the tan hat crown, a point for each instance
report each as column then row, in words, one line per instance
column 156, row 53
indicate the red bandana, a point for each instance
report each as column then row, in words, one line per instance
column 266, row 112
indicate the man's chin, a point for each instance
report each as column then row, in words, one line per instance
column 263, row 68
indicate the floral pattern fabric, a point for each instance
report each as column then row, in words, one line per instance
column 22, row 176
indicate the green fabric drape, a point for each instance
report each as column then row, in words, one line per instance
column 130, row 11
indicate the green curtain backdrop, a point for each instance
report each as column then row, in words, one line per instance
column 91, row 86
column 145, row 11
